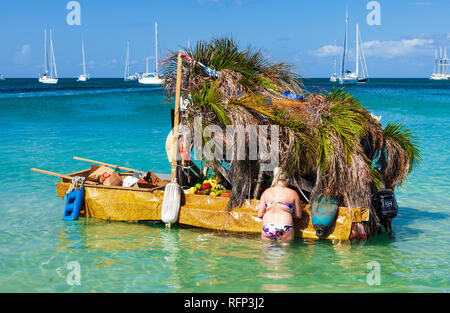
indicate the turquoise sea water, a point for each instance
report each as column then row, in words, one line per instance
column 126, row 124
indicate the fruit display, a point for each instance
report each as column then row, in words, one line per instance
column 211, row 187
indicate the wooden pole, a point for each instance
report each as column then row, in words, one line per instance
column 51, row 173
column 176, row 117
column 172, row 193
column 59, row 175
column 106, row 164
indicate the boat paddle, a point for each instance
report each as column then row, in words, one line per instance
column 172, row 194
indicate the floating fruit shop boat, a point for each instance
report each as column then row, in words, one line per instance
column 118, row 203
column 343, row 164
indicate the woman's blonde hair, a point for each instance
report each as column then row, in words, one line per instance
column 279, row 175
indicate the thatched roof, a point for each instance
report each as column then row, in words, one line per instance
column 328, row 139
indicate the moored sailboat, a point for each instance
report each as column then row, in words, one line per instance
column 83, row 77
column 127, row 76
column 346, row 77
column 152, row 78
column 46, row 77
column 360, row 58
column 440, row 69
column 334, row 77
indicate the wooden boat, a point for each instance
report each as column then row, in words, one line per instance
column 113, row 203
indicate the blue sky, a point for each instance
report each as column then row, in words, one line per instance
column 301, row 32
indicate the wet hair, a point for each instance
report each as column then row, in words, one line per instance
column 279, row 175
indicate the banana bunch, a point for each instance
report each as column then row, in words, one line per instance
column 213, row 182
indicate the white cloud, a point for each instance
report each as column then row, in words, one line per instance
column 23, row 56
column 383, row 49
column 328, row 50
column 399, row 48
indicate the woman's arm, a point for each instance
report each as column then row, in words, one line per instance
column 262, row 206
column 298, row 206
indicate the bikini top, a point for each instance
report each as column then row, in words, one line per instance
column 289, row 205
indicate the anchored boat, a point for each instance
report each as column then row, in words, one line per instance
column 340, row 160
column 118, row 203
column 154, row 78
column 52, row 77
column 83, row 77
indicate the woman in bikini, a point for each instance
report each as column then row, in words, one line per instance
column 277, row 208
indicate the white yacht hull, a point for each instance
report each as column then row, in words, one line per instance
column 44, row 80
column 130, row 78
column 440, row 77
column 348, row 80
column 154, row 81
column 82, row 78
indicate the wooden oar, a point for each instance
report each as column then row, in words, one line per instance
column 106, row 164
column 51, row 173
column 172, row 194
column 95, row 184
column 58, row 175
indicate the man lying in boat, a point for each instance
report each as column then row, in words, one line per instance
column 277, row 208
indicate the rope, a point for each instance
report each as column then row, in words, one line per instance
column 77, row 182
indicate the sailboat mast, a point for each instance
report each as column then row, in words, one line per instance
column 156, row 47
column 345, row 45
column 45, row 51
column 435, row 62
column 335, row 60
column 445, row 61
column 357, row 50
column 53, row 54
column 127, row 70
column 363, row 59
column 84, row 61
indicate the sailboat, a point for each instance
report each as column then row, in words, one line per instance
column 152, row 78
column 83, row 77
column 2, row 77
column 334, row 77
column 360, row 58
column 126, row 75
column 346, row 77
column 46, row 77
column 441, row 71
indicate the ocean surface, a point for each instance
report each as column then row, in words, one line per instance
column 126, row 124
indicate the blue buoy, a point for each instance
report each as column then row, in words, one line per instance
column 323, row 213
column 73, row 204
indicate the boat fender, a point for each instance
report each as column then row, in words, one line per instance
column 170, row 208
column 323, row 213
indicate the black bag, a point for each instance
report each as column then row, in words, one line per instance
column 386, row 205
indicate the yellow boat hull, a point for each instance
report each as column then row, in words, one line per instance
column 200, row 211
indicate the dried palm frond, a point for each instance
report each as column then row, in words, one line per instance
column 327, row 138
